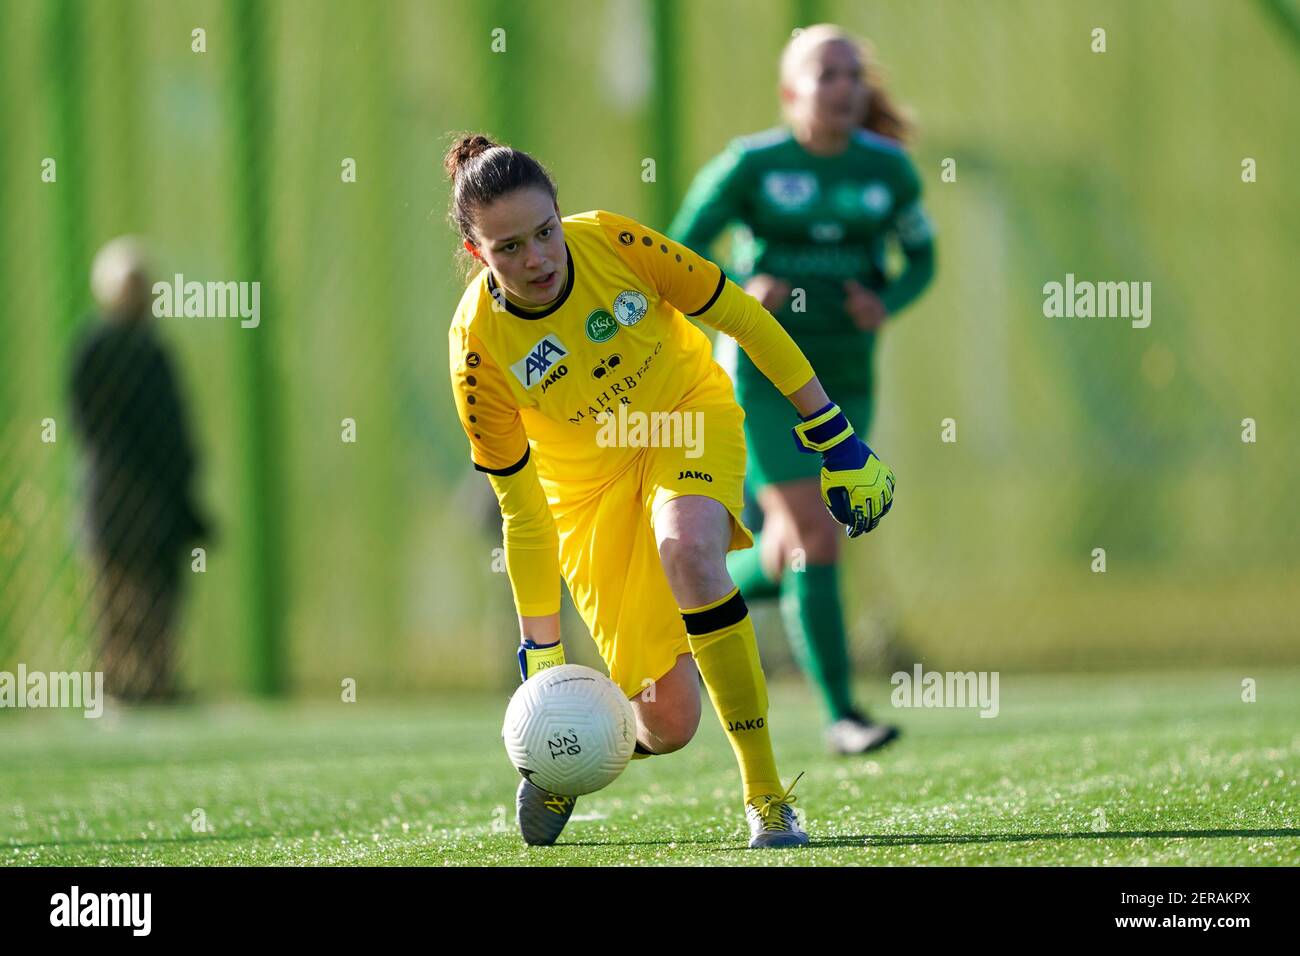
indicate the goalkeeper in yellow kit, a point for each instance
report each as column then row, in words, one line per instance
column 564, row 348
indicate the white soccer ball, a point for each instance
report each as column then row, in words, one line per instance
column 569, row 730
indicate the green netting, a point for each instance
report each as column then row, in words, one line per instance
column 374, row 559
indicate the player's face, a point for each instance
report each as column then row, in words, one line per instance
column 521, row 240
column 829, row 90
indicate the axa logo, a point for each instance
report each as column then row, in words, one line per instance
column 735, row 725
column 536, row 365
column 705, row 476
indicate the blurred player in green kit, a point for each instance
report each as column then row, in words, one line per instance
column 821, row 200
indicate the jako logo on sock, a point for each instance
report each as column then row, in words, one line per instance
column 735, row 725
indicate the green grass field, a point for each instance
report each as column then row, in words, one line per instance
column 1182, row 770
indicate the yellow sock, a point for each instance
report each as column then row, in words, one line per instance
column 722, row 640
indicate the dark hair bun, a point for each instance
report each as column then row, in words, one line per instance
column 481, row 172
column 463, row 150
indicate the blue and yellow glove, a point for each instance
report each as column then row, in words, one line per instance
column 538, row 657
column 857, row 487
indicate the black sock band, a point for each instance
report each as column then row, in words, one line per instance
column 640, row 749
column 726, row 614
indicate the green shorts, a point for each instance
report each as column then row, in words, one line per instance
column 771, row 453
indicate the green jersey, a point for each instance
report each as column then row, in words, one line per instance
column 814, row 222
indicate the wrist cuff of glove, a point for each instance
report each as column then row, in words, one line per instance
column 534, row 658
column 823, row 430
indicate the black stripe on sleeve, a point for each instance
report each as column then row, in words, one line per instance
column 504, row 472
column 716, row 618
column 722, row 281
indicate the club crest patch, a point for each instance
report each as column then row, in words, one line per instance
column 876, row 199
column 630, row 307
column 790, row 191
column 601, row 326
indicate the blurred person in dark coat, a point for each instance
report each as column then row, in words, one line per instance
column 127, row 409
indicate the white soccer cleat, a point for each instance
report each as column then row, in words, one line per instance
column 856, row 734
column 772, row 821
column 541, row 815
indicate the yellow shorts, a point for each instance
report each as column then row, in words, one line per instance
column 608, row 554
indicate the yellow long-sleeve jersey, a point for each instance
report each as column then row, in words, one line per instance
column 533, row 387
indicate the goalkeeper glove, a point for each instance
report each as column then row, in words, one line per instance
column 857, row 487
column 538, row 657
